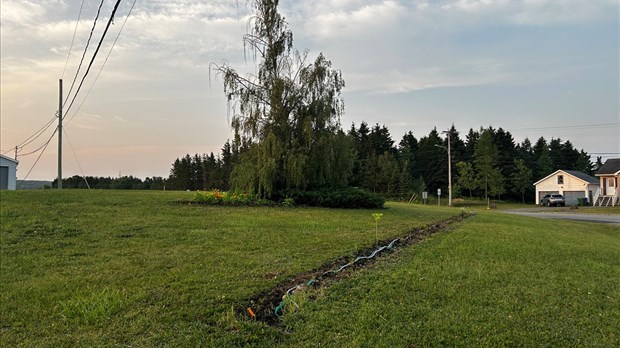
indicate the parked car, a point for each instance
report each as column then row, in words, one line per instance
column 553, row 199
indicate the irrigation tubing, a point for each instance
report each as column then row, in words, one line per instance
column 289, row 292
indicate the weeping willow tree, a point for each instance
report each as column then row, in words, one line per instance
column 289, row 112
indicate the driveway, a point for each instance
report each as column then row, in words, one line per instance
column 599, row 218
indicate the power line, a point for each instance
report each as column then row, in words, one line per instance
column 104, row 63
column 84, row 53
column 37, row 134
column 73, row 39
column 75, row 156
column 94, row 55
column 42, row 146
column 592, row 125
column 37, row 161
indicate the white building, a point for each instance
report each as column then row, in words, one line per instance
column 609, row 175
column 571, row 184
column 8, row 173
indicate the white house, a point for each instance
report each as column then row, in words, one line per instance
column 571, row 184
column 608, row 174
column 8, row 173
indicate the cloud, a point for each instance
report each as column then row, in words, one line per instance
column 534, row 12
column 466, row 73
column 21, row 12
column 346, row 23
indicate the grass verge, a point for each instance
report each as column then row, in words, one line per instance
column 495, row 280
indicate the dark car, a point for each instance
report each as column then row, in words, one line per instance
column 553, row 199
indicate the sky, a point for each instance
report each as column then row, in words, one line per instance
column 535, row 68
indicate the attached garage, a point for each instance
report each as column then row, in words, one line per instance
column 571, row 184
column 570, row 197
column 8, row 173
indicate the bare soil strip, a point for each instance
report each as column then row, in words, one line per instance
column 262, row 307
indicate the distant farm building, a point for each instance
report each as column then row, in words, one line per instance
column 8, row 173
column 571, row 184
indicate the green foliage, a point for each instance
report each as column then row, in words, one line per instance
column 120, row 183
column 350, row 198
column 289, row 111
column 485, row 158
column 229, row 199
column 521, row 178
column 288, row 202
column 466, row 177
column 204, row 172
column 496, row 183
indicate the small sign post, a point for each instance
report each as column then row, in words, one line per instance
column 438, row 196
column 424, row 196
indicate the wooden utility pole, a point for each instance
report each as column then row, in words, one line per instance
column 449, row 173
column 60, row 134
column 449, row 170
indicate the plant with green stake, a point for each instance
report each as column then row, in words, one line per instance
column 377, row 217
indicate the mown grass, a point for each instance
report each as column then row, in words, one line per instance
column 495, row 280
column 93, row 268
column 117, row 268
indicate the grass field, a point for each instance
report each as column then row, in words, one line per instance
column 92, row 268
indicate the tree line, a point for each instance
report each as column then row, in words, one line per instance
column 127, row 182
column 485, row 163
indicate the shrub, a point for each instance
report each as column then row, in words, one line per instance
column 336, row 198
column 229, row 199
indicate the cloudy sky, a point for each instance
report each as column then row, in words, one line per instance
column 534, row 67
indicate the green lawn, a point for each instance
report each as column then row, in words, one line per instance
column 495, row 280
column 137, row 268
column 93, row 268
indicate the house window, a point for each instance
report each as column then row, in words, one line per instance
column 560, row 179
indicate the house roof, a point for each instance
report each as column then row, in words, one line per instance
column 583, row 176
column 577, row 174
column 611, row 166
column 9, row 159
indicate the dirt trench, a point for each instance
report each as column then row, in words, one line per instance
column 263, row 306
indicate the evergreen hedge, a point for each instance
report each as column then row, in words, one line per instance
column 349, row 197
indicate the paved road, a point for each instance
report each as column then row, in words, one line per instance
column 600, row 218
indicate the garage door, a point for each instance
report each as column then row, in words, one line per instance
column 4, row 178
column 571, row 196
column 544, row 193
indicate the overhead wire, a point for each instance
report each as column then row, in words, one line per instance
column 94, row 55
column 39, row 157
column 42, row 146
column 73, row 39
column 84, row 53
column 103, row 65
column 76, row 159
column 591, row 125
column 37, row 134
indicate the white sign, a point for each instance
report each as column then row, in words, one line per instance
column 424, row 195
column 438, row 192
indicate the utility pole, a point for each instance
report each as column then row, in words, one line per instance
column 16, row 153
column 449, row 171
column 60, row 134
